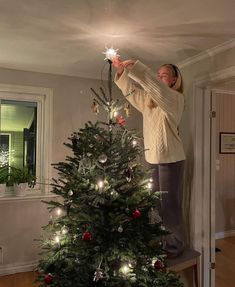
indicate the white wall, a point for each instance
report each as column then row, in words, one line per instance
column 21, row 220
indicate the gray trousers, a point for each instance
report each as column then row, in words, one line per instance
column 168, row 178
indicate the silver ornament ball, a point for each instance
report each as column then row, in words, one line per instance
column 70, row 193
column 120, row 229
column 103, row 158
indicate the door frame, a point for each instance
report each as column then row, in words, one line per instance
column 203, row 175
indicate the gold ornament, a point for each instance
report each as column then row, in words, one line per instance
column 95, row 107
column 127, row 109
column 98, row 275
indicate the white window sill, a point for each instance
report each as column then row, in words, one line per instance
column 29, row 194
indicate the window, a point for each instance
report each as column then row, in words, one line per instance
column 18, row 134
column 25, row 131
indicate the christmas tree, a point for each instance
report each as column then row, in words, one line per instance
column 107, row 231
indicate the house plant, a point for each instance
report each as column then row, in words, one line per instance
column 21, row 179
column 4, row 179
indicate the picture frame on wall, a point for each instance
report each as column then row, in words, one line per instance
column 227, row 143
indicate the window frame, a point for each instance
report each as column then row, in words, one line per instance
column 44, row 99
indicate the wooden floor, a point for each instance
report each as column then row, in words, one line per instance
column 225, row 263
column 224, row 273
column 18, row 280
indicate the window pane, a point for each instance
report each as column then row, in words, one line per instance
column 4, row 149
column 19, row 125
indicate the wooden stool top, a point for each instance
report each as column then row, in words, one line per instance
column 187, row 259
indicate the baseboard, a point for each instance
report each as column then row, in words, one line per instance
column 17, row 268
column 224, row 234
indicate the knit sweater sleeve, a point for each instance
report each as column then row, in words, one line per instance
column 165, row 97
column 134, row 94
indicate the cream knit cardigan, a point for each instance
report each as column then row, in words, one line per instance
column 160, row 124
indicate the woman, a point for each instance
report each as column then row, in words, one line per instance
column 161, row 102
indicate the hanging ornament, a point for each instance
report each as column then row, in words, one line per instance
column 127, row 109
column 136, row 213
column 110, row 127
column 70, row 192
column 95, row 107
column 48, row 279
column 98, row 275
column 154, row 217
column 129, row 174
column 102, row 158
column 159, row 265
column 50, row 219
column 87, row 236
column 120, row 229
column 67, row 206
column 114, row 194
column 121, row 121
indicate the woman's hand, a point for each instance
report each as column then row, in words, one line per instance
column 121, row 65
column 118, row 65
column 128, row 64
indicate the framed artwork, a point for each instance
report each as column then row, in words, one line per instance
column 227, row 143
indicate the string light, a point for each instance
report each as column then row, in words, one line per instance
column 125, row 269
column 64, row 230
column 149, row 185
column 100, row 184
column 57, row 239
column 58, row 211
column 134, row 143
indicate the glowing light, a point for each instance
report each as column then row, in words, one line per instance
column 125, row 269
column 134, row 142
column 57, row 239
column 154, row 260
column 58, row 211
column 100, row 184
column 150, row 185
column 110, row 53
column 64, row 230
column 115, row 114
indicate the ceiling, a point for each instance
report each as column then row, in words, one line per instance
column 68, row 36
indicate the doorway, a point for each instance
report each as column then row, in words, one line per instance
column 204, row 173
column 223, row 138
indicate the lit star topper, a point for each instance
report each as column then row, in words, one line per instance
column 110, row 53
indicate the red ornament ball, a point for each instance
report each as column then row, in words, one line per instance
column 48, row 279
column 86, row 236
column 121, row 121
column 136, row 213
column 159, row 265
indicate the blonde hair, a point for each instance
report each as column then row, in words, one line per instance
column 178, row 86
